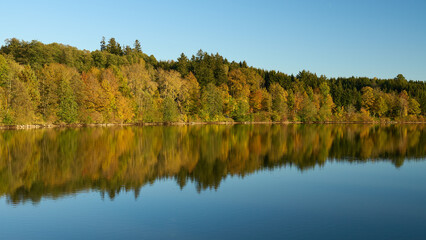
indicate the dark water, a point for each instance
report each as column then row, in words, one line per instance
column 214, row 182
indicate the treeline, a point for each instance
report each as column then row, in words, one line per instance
column 55, row 84
column 54, row 163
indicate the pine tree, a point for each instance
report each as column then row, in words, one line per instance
column 103, row 44
column 182, row 65
column 137, row 46
column 114, row 48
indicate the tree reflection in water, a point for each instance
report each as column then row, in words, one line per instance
column 57, row 162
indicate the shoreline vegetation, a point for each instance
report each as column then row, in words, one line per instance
column 79, row 125
column 56, row 85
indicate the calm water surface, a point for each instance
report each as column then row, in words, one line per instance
column 214, row 182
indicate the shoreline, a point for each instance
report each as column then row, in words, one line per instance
column 41, row 126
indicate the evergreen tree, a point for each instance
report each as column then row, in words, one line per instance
column 137, row 46
column 114, row 48
column 183, row 65
column 103, row 44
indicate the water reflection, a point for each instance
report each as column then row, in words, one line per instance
column 57, row 162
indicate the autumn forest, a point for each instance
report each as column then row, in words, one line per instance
column 59, row 84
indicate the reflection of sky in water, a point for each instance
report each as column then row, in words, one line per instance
column 337, row 201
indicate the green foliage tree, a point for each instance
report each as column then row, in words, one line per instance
column 413, row 107
column 4, row 72
column 403, row 104
column 67, row 105
column 326, row 103
column 308, row 110
column 241, row 111
column 380, row 106
column 212, row 103
column 170, row 111
column 30, row 80
column 22, row 109
column 279, row 102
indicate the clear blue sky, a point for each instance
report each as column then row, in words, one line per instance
column 337, row 38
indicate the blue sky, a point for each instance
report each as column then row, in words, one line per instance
column 335, row 38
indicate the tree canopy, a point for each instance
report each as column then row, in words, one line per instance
column 55, row 83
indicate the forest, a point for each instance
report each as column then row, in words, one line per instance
column 60, row 84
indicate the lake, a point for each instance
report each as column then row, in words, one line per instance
column 214, row 182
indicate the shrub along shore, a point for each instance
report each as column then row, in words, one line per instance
column 55, row 85
column 78, row 125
